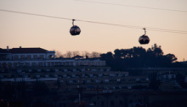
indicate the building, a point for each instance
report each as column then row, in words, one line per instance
column 37, row 64
column 19, row 57
column 38, row 57
column 80, row 80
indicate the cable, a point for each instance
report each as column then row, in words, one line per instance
column 33, row 14
column 134, row 6
column 138, row 27
column 96, row 22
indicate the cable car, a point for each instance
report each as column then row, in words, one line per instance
column 74, row 30
column 144, row 39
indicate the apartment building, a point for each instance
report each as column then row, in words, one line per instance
column 37, row 64
column 34, row 57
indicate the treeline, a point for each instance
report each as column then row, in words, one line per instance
column 78, row 54
column 121, row 59
column 139, row 57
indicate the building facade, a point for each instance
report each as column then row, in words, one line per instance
column 34, row 57
column 37, row 64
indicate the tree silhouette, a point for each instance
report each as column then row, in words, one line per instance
column 138, row 57
column 155, row 50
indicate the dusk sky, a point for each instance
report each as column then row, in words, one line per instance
column 53, row 34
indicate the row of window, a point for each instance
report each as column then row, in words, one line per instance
column 80, row 75
column 81, row 69
column 29, row 56
column 46, row 63
column 74, row 80
column 15, row 57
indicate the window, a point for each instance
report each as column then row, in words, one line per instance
column 33, row 64
column 35, row 57
column 40, row 64
column 22, row 57
column 28, row 56
column 16, row 57
column 106, row 80
column 41, row 57
column 27, row 64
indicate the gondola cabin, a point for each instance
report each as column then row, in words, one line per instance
column 144, row 39
column 75, row 30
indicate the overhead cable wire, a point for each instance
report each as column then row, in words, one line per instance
column 96, row 22
column 34, row 14
column 133, row 6
column 138, row 27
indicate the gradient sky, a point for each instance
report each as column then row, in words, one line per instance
column 53, row 34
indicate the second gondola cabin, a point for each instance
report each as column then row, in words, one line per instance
column 144, row 39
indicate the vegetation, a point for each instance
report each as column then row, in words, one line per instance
column 138, row 57
column 121, row 59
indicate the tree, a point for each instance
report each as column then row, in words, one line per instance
column 107, row 56
column 138, row 57
column 68, row 54
column 95, row 55
column 138, row 52
column 155, row 50
column 171, row 58
column 75, row 53
column 58, row 54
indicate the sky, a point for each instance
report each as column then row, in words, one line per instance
column 53, row 34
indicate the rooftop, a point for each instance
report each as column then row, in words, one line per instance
column 23, row 50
